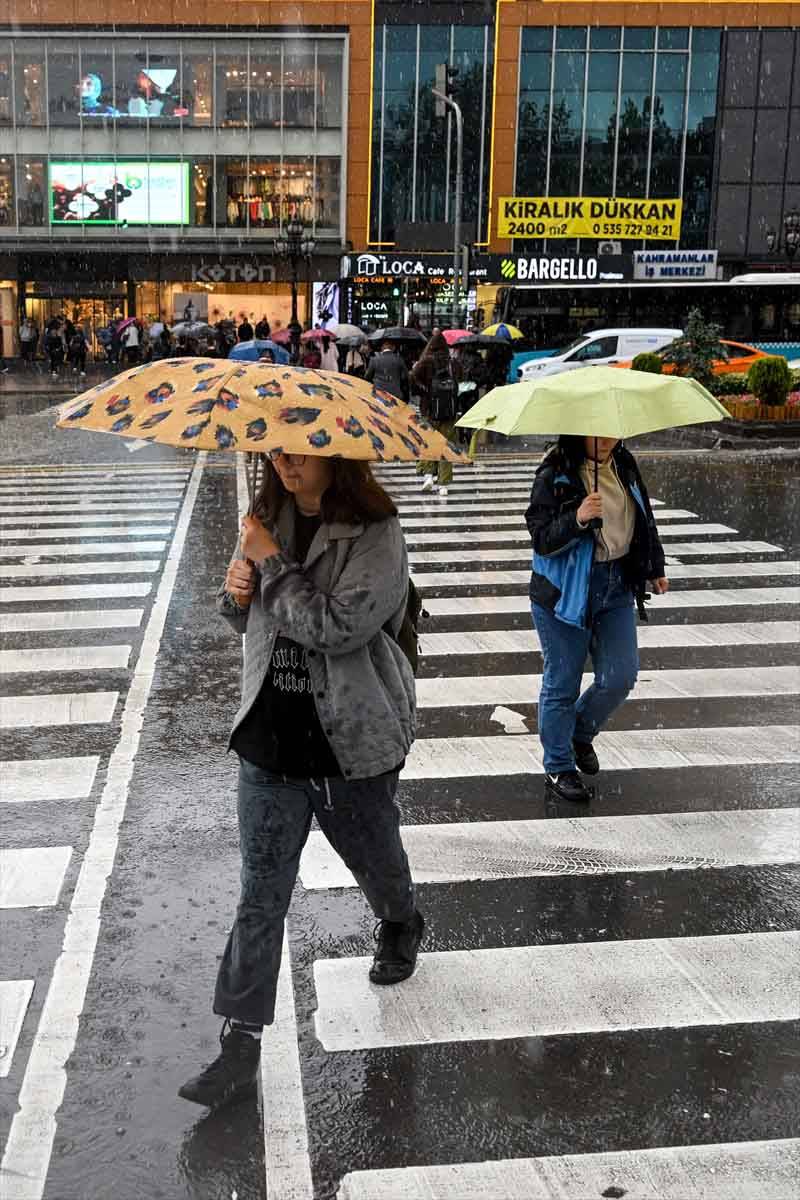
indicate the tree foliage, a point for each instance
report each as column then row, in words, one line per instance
column 693, row 354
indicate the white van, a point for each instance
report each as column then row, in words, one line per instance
column 601, row 347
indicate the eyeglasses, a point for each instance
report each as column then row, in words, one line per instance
column 294, row 460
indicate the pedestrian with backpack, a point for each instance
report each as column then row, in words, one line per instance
column 76, row 349
column 319, row 583
column 433, row 379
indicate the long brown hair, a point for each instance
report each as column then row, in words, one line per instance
column 353, row 497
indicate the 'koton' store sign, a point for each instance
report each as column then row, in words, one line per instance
column 674, row 264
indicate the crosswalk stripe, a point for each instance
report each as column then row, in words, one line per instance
column 98, row 490
column 76, row 550
column 76, row 618
column 626, row 750
column 526, row 641
column 75, row 514
column 465, row 691
column 419, row 558
column 80, row 591
column 723, row 1171
column 446, row 537
column 15, row 996
column 83, row 531
column 32, row 779
column 57, row 708
column 503, row 520
column 540, row 991
column 102, row 473
column 33, row 878
column 62, row 570
column 64, row 658
column 465, row 606
column 481, row 850
column 432, row 580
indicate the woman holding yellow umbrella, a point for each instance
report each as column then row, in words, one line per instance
column 319, row 583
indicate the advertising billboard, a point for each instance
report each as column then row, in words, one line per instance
column 121, row 193
column 143, row 91
column 588, row 216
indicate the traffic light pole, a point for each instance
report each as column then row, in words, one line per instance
column 456, row 110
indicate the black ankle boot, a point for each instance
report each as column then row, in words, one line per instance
column 231, row 1075
column 397, row 949
column 585, row 758
column 568, row 785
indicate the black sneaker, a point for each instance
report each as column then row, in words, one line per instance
column 585, row 758
column 397, row 949
column 568, row 785
column 229, row 1076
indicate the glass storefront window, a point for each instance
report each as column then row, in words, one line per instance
column 132, row 88
column 267, row 192
column 198, row 82
column 6, row 192
column 231, row 90
column 63, row 82
column 96, row 86
column 30, row 82
column 299, row 85
column 327, row 213
column 5, row 83
column 32, row 191
column 265, row 85
column 201, row 184
column 329, row 85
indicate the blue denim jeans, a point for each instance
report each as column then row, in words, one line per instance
column 610, row 638
column 361, row 820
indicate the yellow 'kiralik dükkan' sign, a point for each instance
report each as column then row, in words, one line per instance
column 588, row 216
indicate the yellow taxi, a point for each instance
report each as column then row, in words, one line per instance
column 736, row 359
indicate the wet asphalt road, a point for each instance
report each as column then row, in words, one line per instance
column 624, row 1084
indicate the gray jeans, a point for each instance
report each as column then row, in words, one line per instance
column 360, row 819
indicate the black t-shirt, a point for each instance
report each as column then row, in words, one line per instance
column 282, row 731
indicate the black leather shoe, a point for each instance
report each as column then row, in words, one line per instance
column 585, row 758
column 397, row 949
column 230, row 1076
column 568, row 785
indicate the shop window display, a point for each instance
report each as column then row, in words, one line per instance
column 232, row 85
column 6, row 192
column 5, row 83
column 265, row 86
column 30, row 83
column 329, row 85
column 197, row 83
column 202, row 192
column 32, row 190
column 64, row 85
column 299, row 85
column 266, row 193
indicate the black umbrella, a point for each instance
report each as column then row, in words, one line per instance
column 480, row 341
column 397, row 334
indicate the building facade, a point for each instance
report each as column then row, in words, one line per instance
column 156, row 160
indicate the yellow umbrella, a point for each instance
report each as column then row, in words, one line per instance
column 215, row 404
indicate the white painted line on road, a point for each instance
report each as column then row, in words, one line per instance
column 148, row 487
column 541, row 991
column 57, row 708
column 483, row 850
column 285, row 1128
column 76, row 532
column 723, row 1171
column 466, row 538
column 61, row 570
column 33, row 878
column 77, row 549
column 79, row 591
column 104, row 474
column 29, row 780
column 64, row 658
column 620, row 750
column 683, row 549
column 77, row 514
column 15, row 996
column 76, row 618
column 467, row 691
column 30, row 1141
column 502, row 520
column 650, row 637
column 433, row 580
column 467, row 606
column 408, row 508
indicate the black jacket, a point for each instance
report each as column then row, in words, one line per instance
column 556, row 495
column 388, row 372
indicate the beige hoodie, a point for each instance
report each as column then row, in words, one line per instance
column 614, row 539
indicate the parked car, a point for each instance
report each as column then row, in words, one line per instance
column 601, row 347
column 735, row 360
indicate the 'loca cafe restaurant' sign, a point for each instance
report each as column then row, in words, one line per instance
column 437, row 270
column 588, row 216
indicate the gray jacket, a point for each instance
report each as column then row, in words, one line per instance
column 354, row 581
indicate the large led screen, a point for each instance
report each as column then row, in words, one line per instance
column 142, row 91
column 121, row 193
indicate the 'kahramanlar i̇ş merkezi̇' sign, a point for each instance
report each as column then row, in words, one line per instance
column 588, row 216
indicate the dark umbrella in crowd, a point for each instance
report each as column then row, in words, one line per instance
column 397, row 333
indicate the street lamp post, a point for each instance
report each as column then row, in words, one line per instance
column 295, row 247
column 791, row 235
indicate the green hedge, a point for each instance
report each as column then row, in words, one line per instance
column 647, row 361
column 769, row 379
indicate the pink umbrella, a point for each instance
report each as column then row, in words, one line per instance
column 316, row 335
column 281, row 336
column 128, row 321
column 451, row 336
